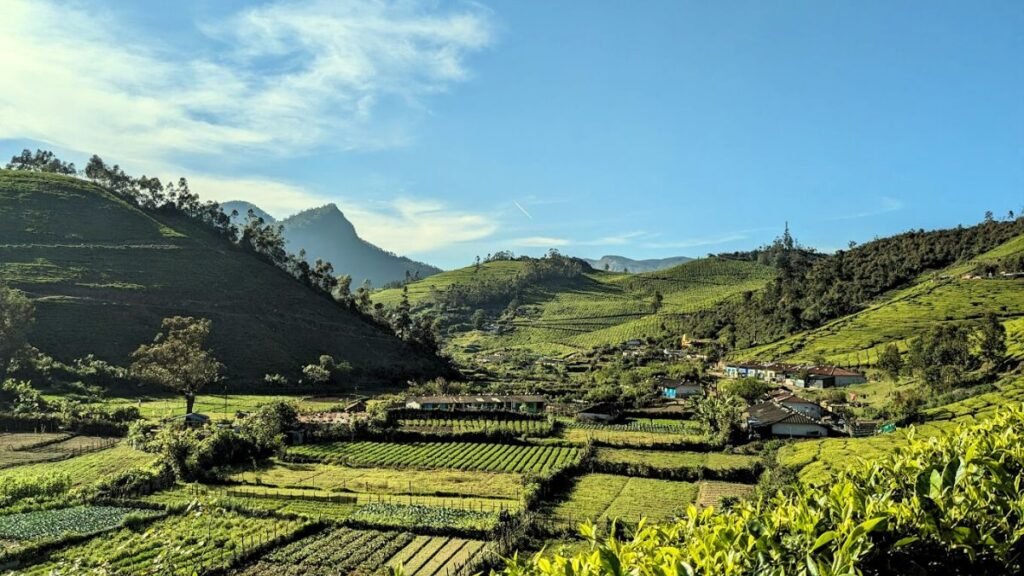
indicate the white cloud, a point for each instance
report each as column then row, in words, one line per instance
column 410, row 226
column 696, row 242
column 70, row 82
column 288, row 76
column 885, row 206
column 540, row 242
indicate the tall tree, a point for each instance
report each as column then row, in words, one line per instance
column 16, row 317
column 178, row 358
column 992, row 341
column 891, row 362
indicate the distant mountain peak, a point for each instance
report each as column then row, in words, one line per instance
column 326, row 234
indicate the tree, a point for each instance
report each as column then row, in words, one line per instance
column 749, row 389
column 177, row 358
column 478, row 319
column 720, row 416
column 891, row 362
column 657, row 300
column 992, row 341
column 16, row 317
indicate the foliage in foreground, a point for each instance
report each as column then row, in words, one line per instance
column 954, row 503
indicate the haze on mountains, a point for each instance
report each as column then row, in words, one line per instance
column 624, row 264
column 326, row 234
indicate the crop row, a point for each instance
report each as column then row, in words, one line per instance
column 178, row 545
column 404, row 516
column 337, row 551
column 456, row 425
column 456, row 455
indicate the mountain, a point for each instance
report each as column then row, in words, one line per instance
column 243, row 207
column 103, row 274
column 325, row 234
column 621, row 263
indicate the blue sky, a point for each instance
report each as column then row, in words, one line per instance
column 450, row 129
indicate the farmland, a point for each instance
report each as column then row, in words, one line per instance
column 201, row 543
column 659, row 463
column 62, row 521
column 533, row 428
column 455, row 455
column 51, row 448
column 86, row 469
column 605, row 497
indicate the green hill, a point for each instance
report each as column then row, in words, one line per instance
column 939, row 297
column 559, row 315
column 103, row 273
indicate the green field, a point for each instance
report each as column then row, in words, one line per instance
column 597, row 308
column 200, row 543
column 436, row 482
column 86, row 469
column 64, row 521
column 679, row 461
column 50, row 451
column 626, row 438
column 534, row 428
column 103, row 274
column 602, row 497
column 453, row 455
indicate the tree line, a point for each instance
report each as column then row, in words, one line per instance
column 810, row 288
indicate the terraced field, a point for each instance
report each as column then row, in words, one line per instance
column 597, row 308
column 604, row 497
column 534, row 428
column 201, row 543
column 351, row 551
column 454, row 455
column 934, row 299
column 60, row 449
column 86, row 469
column 677, row 461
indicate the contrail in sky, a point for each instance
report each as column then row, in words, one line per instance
column 523, row 210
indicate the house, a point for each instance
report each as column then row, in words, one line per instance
column 601, row 412
column 527, row 404
column 634, row 343
column 803, row 406
column 824, row 377
column 681, row 389
column 773, row 419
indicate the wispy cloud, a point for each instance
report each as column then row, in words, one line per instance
column 540, row 242
column 885, row 206
column 288, row 76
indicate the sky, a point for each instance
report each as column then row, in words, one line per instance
column 446, row 130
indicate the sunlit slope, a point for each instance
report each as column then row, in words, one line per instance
column 817, row 460
column 936, row 298
column 597, row 308
column 103, row 274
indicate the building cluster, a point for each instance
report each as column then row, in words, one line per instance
column 528, row 404
column 800, row 376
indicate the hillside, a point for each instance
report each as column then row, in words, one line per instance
column 945, row 296
column 613, row 263
column 325, row 234
column 594, row 308
column 103, row 273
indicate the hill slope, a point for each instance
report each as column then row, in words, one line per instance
column 103, row 273
column 326, row 234
column 595, row 308
column 934, row 298
column 623, row 264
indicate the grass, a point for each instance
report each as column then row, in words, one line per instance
column 50, row 451
column 102, row 275
column 666, row 460
column 86, row 469
column 626, row 438
column 453, row 455
column 216, row 406
column 597, row 308
column 603, row 497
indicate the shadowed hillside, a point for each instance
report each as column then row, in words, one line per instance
column 103, row 273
